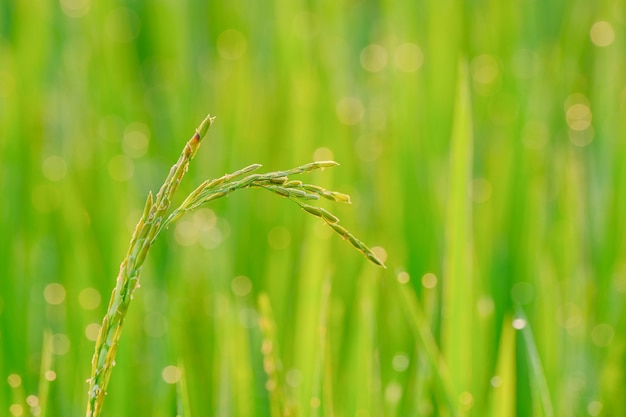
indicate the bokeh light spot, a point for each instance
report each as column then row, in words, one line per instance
column 54, row 293
column 293, row 377
column 484, row 69
column 204, row 219
column 75, row 8
column 373, row 58
column 466, row 399
column 380, row 253
column 269, row 365
column 32, row 400
column 403, row 277
column 519, row 323
column 581, row 138
column 212, row 238
column 485, row 306
column 578, row 116
column 136, row 140
column 594, row 408
column 241, row 285
column 121, row 168
column 408, row 57
column 89, row 298
column 132, row 218
column 270, row 384
column 323, row 154
column 400, row 362
column 171, row 374
column 602, row 334
column 54, row 168
column 393, row 392
column 186, row 233
column 50, row 375
column 350, row 111
column 231, row 44
column 16, row 410
column 496, row 381
column 429, row 280
column 199, row 228
column 574, row 99
column 14, row 380
column 91, row 331
column 602, row 34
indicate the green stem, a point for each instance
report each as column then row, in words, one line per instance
column 128, row 277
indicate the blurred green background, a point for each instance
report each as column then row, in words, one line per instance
column 482, row 143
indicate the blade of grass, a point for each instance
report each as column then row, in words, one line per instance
column 425, row 339
column 501, row 400
column 240, row 320
column 222, row 358
column 457, row 303
column 538, row 378
column 183, row 407
column 46, row 365
column 321, row 359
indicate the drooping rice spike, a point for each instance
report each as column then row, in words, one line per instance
column 153, row 221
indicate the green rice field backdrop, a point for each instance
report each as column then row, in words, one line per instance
column 483, row 147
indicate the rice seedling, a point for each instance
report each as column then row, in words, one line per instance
column 154, row 220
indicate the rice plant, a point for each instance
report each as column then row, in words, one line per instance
column 154, row 220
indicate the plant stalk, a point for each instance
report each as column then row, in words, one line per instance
column 128, row 277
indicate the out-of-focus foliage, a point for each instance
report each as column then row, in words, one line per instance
column 482, row 144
